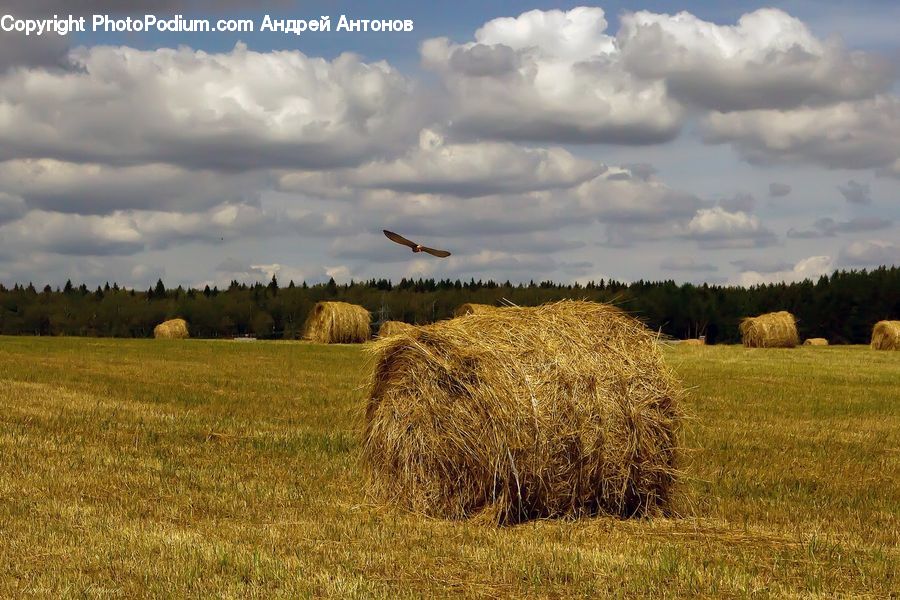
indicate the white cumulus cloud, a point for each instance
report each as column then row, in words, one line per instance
column 719, row 228
column 769, row 59
column 812, row 268
column 235, row 110
column 466, row 170
column 550, row 76
column 846, row 135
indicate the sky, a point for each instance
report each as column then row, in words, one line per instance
column 733, row 143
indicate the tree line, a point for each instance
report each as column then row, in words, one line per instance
column 841, row 307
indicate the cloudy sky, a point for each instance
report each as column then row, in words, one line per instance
column 720, row 142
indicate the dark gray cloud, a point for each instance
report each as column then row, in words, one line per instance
column 371, row 246
column 778, row 190
column 495, row 264
column 230, row 265
column 856, row 193
column 803, row 234
column 603, row 199
column 632, row 201
column 762, row 264
column 739, row 202
column 129, row 232
column 828, row 227
column 855, row 225
column 870, row 253
column 642, row 171
column 33, row 52
column 11, row 207
column 243, row 271
column 464, row 170
column 543, row 126
column 98, row 189
column 482, row 60
column 687, row 263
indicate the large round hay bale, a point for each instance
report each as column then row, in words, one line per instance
column 886, row 335
column 692, row 342
column 173, row 329
column 815, row 342
column 392, row 328
column 564, row 409
column 771, row 330
column 337, row 323
column 470, row 308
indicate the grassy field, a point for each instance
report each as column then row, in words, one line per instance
column 225, row 469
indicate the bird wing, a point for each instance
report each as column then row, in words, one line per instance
column 438, row 253
column 396, row 237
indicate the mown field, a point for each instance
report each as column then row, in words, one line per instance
column 144, row 468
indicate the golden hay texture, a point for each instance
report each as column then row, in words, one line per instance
column 173, row 329
column 393, row 327
column 815, row 342
column 337, row 323
column 692, row 342
column 471, row 308
column 771, row 330
column 886, row 335
column 564, row 409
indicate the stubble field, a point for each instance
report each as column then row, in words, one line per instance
column 199, row 468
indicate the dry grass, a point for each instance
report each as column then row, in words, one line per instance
column 173, row 329
column 886, row 335
column 558, row 410
column 158, row 469
column 815, row 342
column 389, row 328
column 337, row 323
column 692, row 342
column 771, row 330
column 470, row 308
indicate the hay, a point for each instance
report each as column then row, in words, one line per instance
column 392, row 328
column 771, row 330
column 565, row 409
column 337, row 323
column 886, row 335
column 470, row 308
column 815, row 342
column 692, row 342
column 173, row 329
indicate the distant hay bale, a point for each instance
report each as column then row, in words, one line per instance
column 886, row 335
column 470, row 308
column 692, row 342
column 337, row 323
column 771, row 330
column 173, row 329
column 815, row 342
column 392, row 328
column 564, row 409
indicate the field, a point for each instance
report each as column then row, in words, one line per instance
column 196, row 468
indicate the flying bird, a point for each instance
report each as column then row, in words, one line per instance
column 394, row 237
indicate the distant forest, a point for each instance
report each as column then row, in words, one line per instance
column 842, row 307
